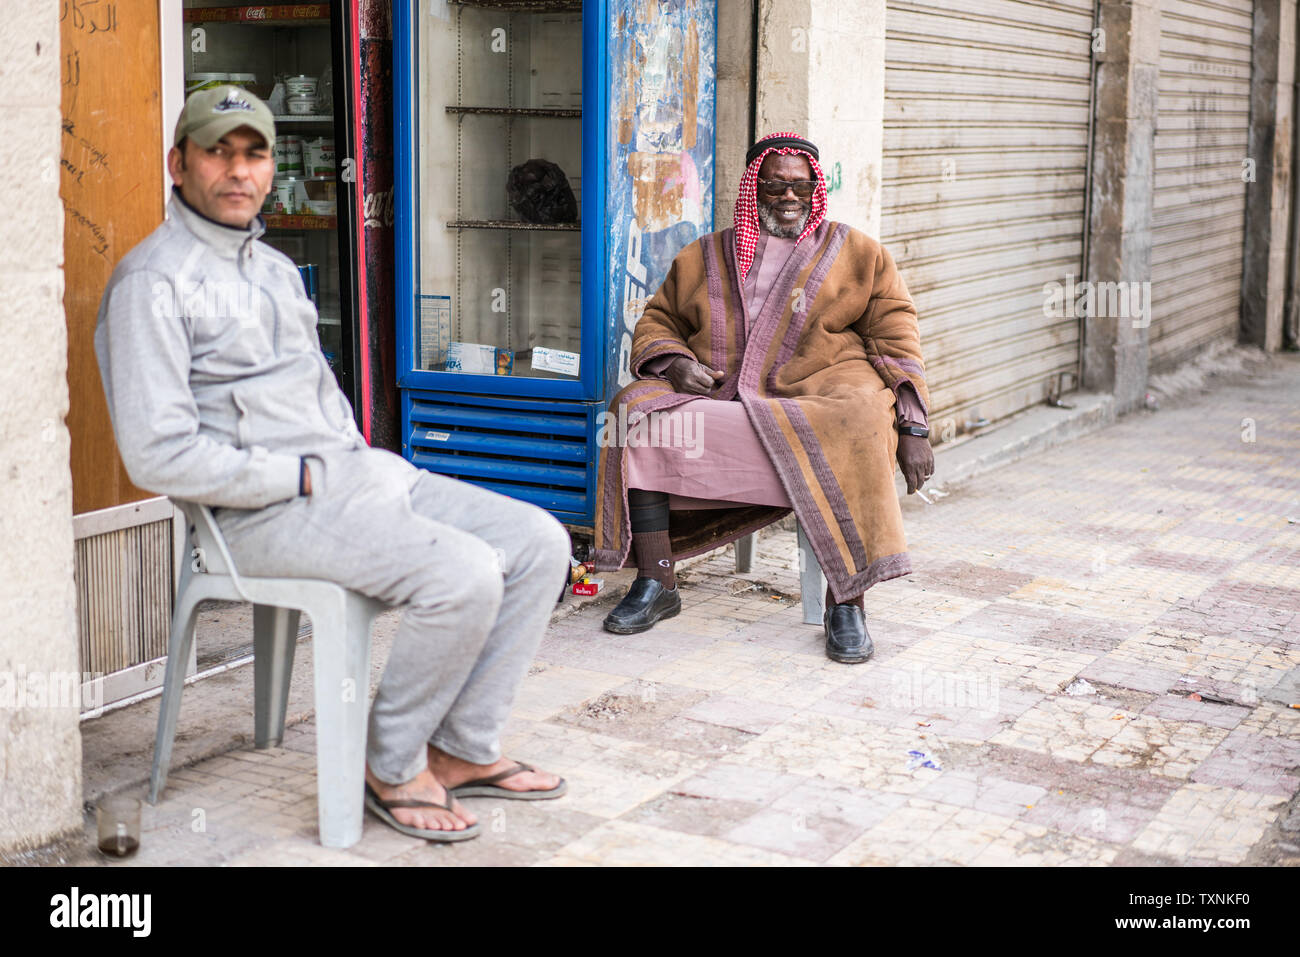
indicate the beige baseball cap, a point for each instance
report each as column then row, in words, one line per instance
column 211, row 114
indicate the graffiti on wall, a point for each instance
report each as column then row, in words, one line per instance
column 661, row 128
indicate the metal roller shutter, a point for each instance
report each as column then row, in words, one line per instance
column 1199, row 219
column 987, row 107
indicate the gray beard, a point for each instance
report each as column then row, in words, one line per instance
column 767, row 219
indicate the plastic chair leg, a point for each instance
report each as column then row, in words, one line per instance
column 275, row 636
column 341, row 651
column 745, row 554
column 812, row 583
column 184, row 617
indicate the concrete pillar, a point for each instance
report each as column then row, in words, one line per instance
column 821, row 73
column 40, row 739
column 1127, row 52
column 1268, row 196
column 731, row 135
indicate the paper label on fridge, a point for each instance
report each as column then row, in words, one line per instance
column 471, row 357
column 435, row 330
column 555, row 360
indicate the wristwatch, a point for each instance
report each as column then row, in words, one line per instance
column 920, row 431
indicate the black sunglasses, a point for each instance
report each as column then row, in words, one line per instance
column 773, row 188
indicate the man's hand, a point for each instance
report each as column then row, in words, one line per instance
column 916, row 459
column 690, row 377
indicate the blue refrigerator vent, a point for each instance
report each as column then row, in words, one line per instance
column 537, row 451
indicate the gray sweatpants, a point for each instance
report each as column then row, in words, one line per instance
column 478, row 572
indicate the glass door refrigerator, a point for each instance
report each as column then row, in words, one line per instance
column 552, row 156
column 297, row 57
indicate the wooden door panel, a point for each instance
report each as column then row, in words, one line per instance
column 111, row 186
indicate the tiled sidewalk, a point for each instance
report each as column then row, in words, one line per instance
column 1033, row 698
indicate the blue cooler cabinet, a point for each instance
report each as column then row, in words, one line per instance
column 515, row 304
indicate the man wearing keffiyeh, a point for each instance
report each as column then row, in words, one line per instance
column 794, row 343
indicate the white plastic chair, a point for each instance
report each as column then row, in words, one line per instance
column 812, row 581
column 341, row 621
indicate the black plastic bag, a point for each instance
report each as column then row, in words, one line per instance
column 539, row 191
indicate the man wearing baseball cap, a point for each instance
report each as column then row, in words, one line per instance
column 219, row 394
column 214, row 124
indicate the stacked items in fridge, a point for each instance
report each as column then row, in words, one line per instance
column 283, row 54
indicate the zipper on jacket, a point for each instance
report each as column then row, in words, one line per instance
column 249, row 271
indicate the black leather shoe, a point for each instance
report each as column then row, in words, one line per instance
column 846, row 634
column 645, row 603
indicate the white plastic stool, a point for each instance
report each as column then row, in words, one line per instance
column 341, row 621
column 812, row 582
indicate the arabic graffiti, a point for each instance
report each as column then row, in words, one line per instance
column 72, row 77
column 90, row 16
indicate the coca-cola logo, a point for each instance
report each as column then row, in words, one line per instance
column 377, row 209
column 257, row 13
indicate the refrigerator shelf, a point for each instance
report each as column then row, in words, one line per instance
column 516, row 111
column 512, row 224
column 286, row 221
column 287, row 118
column 270, row 14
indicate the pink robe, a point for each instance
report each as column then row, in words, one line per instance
column 730, row 466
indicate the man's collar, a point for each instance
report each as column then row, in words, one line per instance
column 227, row 240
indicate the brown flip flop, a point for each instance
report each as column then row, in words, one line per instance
column 380, row 808
column 486, row 787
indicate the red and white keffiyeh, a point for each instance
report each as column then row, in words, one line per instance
column 746, row 220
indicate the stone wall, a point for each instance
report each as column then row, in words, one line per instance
column 40, row 740
column 821, row 73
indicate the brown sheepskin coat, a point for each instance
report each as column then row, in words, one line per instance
column 816, row 371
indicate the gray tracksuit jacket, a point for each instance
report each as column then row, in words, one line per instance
column 215, row 381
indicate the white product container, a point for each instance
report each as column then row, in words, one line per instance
column 288, row 155
column 246, row 80
column 285, row 191
column 204, row 81
column 321, row 207
column 318, row 157
column 301, row 105
column 301, row 85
